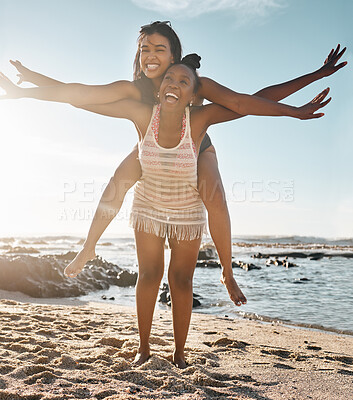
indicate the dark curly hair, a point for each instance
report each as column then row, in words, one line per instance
column 192, row 61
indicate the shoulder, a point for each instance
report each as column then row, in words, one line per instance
column 130, row 89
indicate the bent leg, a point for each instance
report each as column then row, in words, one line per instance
column 125, row 176
column 150, row 255
column 180, row 274
column 212, row 193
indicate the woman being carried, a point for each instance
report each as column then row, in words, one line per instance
column 158, row 46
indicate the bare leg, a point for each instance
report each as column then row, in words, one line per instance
column 212, row 193
column 125, row 176
column 150, row 254
column 180, row 274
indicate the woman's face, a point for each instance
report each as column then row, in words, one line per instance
column 155, row 55
column 177, row 87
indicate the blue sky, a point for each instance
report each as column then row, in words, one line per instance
column 282, row 176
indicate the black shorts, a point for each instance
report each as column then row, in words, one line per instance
column 206, row 143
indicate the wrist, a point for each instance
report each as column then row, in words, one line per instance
column 319, row 74
column 295, row 112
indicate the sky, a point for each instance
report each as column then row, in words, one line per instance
column 282, row 176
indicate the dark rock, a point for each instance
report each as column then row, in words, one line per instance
column 208, row 264
column 258, row 255
column 245, row 266
column 43, row 276
column 301, row 280
column 165, row 297
column 208, row 253
column 195, row 303
column 69, row 256
column 126, row 278
column 313, row 256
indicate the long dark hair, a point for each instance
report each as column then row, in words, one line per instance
column 141, row 81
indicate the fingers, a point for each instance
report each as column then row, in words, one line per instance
column 325, row 102
column 329, row 56
column 20, row 79
column 15, row 63
column 336, row 51
column 339, row 55
column 339, row 66
column 320, row 96
column 319, row 115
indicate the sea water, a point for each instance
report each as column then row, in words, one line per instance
column 315, row 292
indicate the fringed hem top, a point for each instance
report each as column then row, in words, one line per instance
column 166, row 200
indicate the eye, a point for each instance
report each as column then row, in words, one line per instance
column 183, row 82
column 167, row 77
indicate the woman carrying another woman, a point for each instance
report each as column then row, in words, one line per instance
column 158, row 47
column 169, row 140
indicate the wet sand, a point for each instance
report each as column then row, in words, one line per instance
column 65, row 349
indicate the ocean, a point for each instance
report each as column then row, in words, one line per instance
column 316, row 293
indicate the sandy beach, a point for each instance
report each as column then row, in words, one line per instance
column 65, row 349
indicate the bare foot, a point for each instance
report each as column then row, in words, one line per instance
column 78, row 263
column 235, row 294
column 141, row 357
column 179, row 361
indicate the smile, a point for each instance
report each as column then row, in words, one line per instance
column 171, row 97
column 152, row 67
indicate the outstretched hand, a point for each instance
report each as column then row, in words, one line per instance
column 24, row 73
column 12, row 91
column 307, row 111
column 330, row 66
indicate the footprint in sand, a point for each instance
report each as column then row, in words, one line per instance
column 227, row 343
column 278, row 353
column 157, row 340
column 344, row 372
column 45, row 377
column 282, row 366
column 111, row 341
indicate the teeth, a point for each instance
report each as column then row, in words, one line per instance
column 172, row 95
column 152, row 66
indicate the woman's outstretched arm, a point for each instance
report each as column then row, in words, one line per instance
column 219, row 94
column 283, row 90
column 210, row 114
column 76, row 94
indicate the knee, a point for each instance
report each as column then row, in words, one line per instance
column 150, row 276
column 180, row 281
column 121, row 181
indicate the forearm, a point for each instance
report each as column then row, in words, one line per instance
column 245, row 104
column 62, row 93
column 41, row 80
column 283, row 90
column 78, row 94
